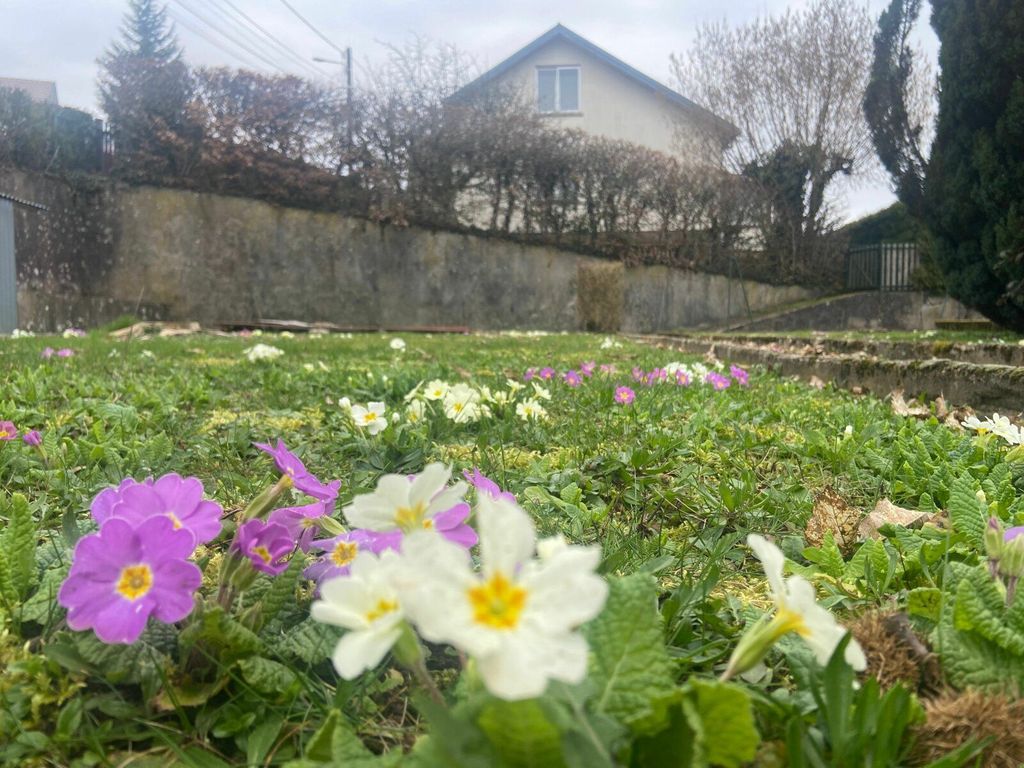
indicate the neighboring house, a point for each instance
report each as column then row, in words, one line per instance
column 579, row 85
column 42, row 91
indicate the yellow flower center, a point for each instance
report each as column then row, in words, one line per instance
column 344, row 553
column 4, row 433
column 457, row 407
column 382, row 608
column 497, row 603
column 174, row 519
column 263, row 553
column 135, row 581
column 787, row 620
column 370, row 417
column 411, row 518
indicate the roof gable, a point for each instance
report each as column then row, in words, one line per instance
column 43, row 91
column 560, row 32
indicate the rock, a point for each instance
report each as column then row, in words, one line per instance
column 887, row 513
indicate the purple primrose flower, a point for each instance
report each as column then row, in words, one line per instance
column 741, row 376
column 265, row 544
column 717, row 381
column 624, row 395
column 301, row 522
column 32, row 437
column 483, row 483
column 179, row 499
column 339, row 552
column 572, row 379
column 122, row 575
column 7, row 430
column 291, row 466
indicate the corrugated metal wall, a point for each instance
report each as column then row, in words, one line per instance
column 8, row 274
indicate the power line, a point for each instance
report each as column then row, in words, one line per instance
column 318, row 33
column 216, row 43
column 226, row 35
column 276, row 41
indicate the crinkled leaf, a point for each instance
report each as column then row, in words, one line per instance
column 925, row 602
column 309, row 641
column 17, row 550
column 522, row 734
column 966, row 512
column 269, row 677
column 630, row 665
column 725, row 710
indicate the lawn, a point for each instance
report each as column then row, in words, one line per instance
column 654, row 484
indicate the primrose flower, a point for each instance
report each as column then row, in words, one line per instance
column 290, row 466
column 546, row 373
column 397, row 344
column 260, row 352
column 540, row 392
column 1002, row 427
column 518, row 618
column 415, row 411
column 741, row 376
column 8, row 431
column 339, row 553
column 531, row 410
column 587, row 368
column 682, row 378
column 607, row 368
column 610, row 343
column 266, row 545
column 462, row 404
column 402, row 504
column 514, row 386
column 345, row 404
column 47, row 353
column 121, row 575
column 796, row 610
column 638, row 373
column 484, row 484
column 436, row 390
column 529, row 374
column 717, row 381
column 371, row 418
column 179, row 499
column 32, row 437
column 71, row 333
column 301, row 522
column 367, row 604
column 65, row 352
column 572, row 379
column 624, row 395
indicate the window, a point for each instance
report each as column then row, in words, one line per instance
column 558, row 89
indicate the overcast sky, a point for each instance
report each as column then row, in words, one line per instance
column 60, row 40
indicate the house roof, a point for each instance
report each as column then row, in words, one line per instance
column 560, row 32
column 43, row 91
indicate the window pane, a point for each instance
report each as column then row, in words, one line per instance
column 545, row 90
column 569, row 90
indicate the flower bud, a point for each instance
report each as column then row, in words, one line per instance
column 994, row 538
column 1011, row 561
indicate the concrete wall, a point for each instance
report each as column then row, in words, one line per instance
column 104, row 250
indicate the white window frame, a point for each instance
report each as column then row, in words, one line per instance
column 558, row 94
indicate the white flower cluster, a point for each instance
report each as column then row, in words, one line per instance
column 262, row 352
column 997, row 425
column 368, row 418
column 517, row 616
column 610, row 343
column 17, row 333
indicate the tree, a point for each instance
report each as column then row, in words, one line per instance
column 895, row 113
column 973, row 190
column 793, row 85
column 146, row 91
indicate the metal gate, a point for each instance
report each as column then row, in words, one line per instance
column 8, row 273
column 882, row 267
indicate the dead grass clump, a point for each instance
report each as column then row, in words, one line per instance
column 954, row 718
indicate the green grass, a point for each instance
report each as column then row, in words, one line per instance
column 669, row 485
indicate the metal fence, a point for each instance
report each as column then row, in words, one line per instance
column 882, row 267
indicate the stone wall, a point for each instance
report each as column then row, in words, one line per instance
column 106, row 249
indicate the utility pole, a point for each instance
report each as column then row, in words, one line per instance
column 347, row 64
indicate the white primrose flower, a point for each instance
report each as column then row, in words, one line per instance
column 262, row 352
column 541, row 392
column 502, row 397
column 462, row 404
column 436, row 390
column 371, row 418
column 397, row 344
column 401, row 504
column 531, row 410
column 345, row 404
column 796, row 610
column 518, row 617
column 415, row 411
column 366, row 603
column 1002, row 427
column 514, row 386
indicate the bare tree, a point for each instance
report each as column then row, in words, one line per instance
column 793, row 84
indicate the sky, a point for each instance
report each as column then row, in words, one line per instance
column 60, row 40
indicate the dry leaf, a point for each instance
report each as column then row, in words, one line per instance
column 832, row 514
column 815, row 382
column 900, row 407
column 887, row 513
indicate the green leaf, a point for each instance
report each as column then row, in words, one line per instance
column 966, row 513
column 827, row 556
column 281, row 591
column 925, row 602
column 522, row 734
column 269, row 677
column 17, row 550
column 731, row 738
column 630, row 667
column 310, row 641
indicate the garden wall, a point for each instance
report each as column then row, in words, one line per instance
column 105, row 249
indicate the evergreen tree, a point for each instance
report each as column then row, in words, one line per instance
column 974, row 184
column 970, row 191
column 146, row 90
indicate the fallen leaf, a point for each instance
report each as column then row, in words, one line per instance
column 887, row 513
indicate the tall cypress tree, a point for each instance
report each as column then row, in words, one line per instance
column 970, row 191
column 974, row 187
column 145, row 91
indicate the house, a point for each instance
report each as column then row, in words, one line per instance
column 578, row 85
column 41, row 91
